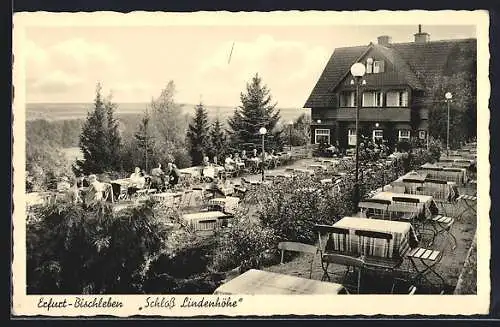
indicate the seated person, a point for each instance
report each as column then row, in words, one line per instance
column 205, row 162
column 158, row 178
column 82, row 182
column 215, row 160
column 244, row 155
column 137, row 181
column 254, row 153
column 96, row 190
column 173, row 174
column 229, row 162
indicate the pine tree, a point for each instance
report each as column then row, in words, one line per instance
column 256, row 111
column 198, row 136
column 218, row 140
column 145, row 141
column 100, row 139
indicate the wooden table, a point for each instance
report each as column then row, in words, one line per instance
column 228, row 204
column 396, row 247
column 258, row 282
column 450, row 174
column 429, row 206
column 205, row 220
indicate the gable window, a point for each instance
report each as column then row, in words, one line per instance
column 347, row 99
column 351, row 137
column 378, row 134
column 372, row 99
column 378, row 66
column 404, row 135
column 369, row 65
column 322, row 136
column 422, row 135
column 397, row 99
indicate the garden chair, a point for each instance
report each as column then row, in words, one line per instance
column 298, row 247
column 205, row 195
column 424, row 262
column 413, row 185
column 186, row 198
column 440, row 192
column 374, row 209
column 371, row 245
column 335, row 251
column 469, row 202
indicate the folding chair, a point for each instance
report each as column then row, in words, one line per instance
column 298, row 247
column 374, row 249
column 374, row 209
column 469, row 202
column 336, row 250
column 412, row 185
column 424, row 262
column 440, row 192
column 442, row 225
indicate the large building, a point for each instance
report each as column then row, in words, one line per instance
column 394, row 101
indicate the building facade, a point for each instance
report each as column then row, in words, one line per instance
column 394, row 96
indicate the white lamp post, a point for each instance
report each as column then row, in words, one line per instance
column 263, row 132
column 358, row 70
column 448, row 97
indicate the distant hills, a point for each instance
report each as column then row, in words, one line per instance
column 66, row 111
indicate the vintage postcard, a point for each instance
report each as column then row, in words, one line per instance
column 232, row 164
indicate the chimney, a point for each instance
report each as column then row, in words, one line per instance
column 421, row 37
column 384, row 40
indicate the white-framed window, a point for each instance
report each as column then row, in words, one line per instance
column 372, row 99
column 397, row 99
column 321, row 136
column 351, row 137
column 378, row 134
column 369, row 65
column 378, row 66
column 404, row 134
column 422, row 135
column 348, row 99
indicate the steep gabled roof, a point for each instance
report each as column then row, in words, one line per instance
column 417, row 64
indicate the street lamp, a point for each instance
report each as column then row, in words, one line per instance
column 448, row 97
column 263, row 131
column 358, row 70
column 290, row 124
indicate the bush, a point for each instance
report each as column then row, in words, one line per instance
column 72, row 249
column 242, row 242
column 292, row 207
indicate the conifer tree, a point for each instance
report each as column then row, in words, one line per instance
column 218, row 140
column 256, row 110
column 145, row 141
column 99, row 139
column 198, row 135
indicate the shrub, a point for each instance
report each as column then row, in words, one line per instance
column 72, row 249
column 292, row 207
column 243, row 241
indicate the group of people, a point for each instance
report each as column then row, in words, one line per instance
column 161, row 179
column 235, row 162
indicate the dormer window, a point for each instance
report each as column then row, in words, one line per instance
column 369, row 65
column 378, row 66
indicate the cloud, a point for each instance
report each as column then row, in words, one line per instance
column 56, row 82
column 290, row 69
column 71, row 66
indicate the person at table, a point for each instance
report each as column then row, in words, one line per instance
column 255, row 154
column 205, row 162
column 244, row 156
column 229, row 162
column 137, row 181
column 173, row 175
column 158, row 178
column 96, row 190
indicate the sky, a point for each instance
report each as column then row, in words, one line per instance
column 134, row 63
